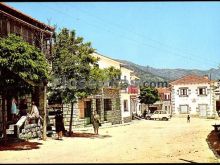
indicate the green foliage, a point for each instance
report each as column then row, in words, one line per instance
column 148, row 95
column 22, row 58
column 20, row 64
column 73, row 62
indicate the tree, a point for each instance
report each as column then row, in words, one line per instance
column 21, row 66
column 74, row 69
column 112, row 76
column 148, row 95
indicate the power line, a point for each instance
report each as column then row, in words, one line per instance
column 135, row 41
column 153, row 40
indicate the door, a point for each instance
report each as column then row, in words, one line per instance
column 88, row 111
column 202, row 110
column 183, row 109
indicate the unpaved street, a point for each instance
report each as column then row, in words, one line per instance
column 141, row 141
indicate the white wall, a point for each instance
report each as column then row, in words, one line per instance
column 105, row 62
column 193, row 100
column 125, row 96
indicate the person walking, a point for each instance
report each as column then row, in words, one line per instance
column 96, row 122
column 188, row 119
column 59, row 124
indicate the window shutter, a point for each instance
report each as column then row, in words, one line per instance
column 189, row 91
column 197, row 91
column 178, row 92
column 208, row 91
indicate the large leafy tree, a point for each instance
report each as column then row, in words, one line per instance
column 75, row 71
column 148, row 95
column 21, row 66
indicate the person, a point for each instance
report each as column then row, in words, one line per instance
column 188, row 119
column 23, row 107
column 144, row 113
column 34, row 112
column 13, row 108
column 96, row 122
column 59, row 124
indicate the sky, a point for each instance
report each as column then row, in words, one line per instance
column 157, row 34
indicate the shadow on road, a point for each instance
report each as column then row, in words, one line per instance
column 188, row 161
column 88, row 135
column 18, row 144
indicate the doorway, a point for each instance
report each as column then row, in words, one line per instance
column 88, row 111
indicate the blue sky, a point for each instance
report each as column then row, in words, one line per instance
column 158, row 34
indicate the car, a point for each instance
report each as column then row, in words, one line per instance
column 158, row 114
column 148, row 116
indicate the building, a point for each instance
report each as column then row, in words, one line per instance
column 217, row 96
column 193, row 95
column 114, row 105
column 33, row 32
column 165, row 100
column 128, row 95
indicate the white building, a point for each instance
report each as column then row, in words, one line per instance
column 128, row 96
column 193, row 95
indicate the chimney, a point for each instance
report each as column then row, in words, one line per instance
column 206, row 77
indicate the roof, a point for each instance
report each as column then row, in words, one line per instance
column 164, row 90
column 100, row 55
column 18, row 14
column 191, row 79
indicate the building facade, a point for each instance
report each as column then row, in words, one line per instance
column 193, row 95
column 165, row 99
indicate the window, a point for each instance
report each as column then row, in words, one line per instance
column 107, row 104
column 125, row 105
column 202, row 91
column 184, row 109
column 184, row 92
column 166, row 96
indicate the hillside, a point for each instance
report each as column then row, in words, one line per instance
column 147, row 73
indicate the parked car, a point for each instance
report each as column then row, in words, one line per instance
column 158, row 114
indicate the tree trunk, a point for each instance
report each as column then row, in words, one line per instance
column 4, row 119
column 71, row 119
column 45, row 114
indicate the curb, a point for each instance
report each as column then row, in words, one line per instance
column 102, row 127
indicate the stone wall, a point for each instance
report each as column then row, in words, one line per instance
column 76, row 122
column 113, row 116
column 127, row 119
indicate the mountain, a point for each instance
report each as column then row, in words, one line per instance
column 147, row 73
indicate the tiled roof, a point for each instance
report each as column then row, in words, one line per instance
column 17, row 13
column 191, row 79
column 163, row 90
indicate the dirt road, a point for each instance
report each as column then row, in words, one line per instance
column 143, row 141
